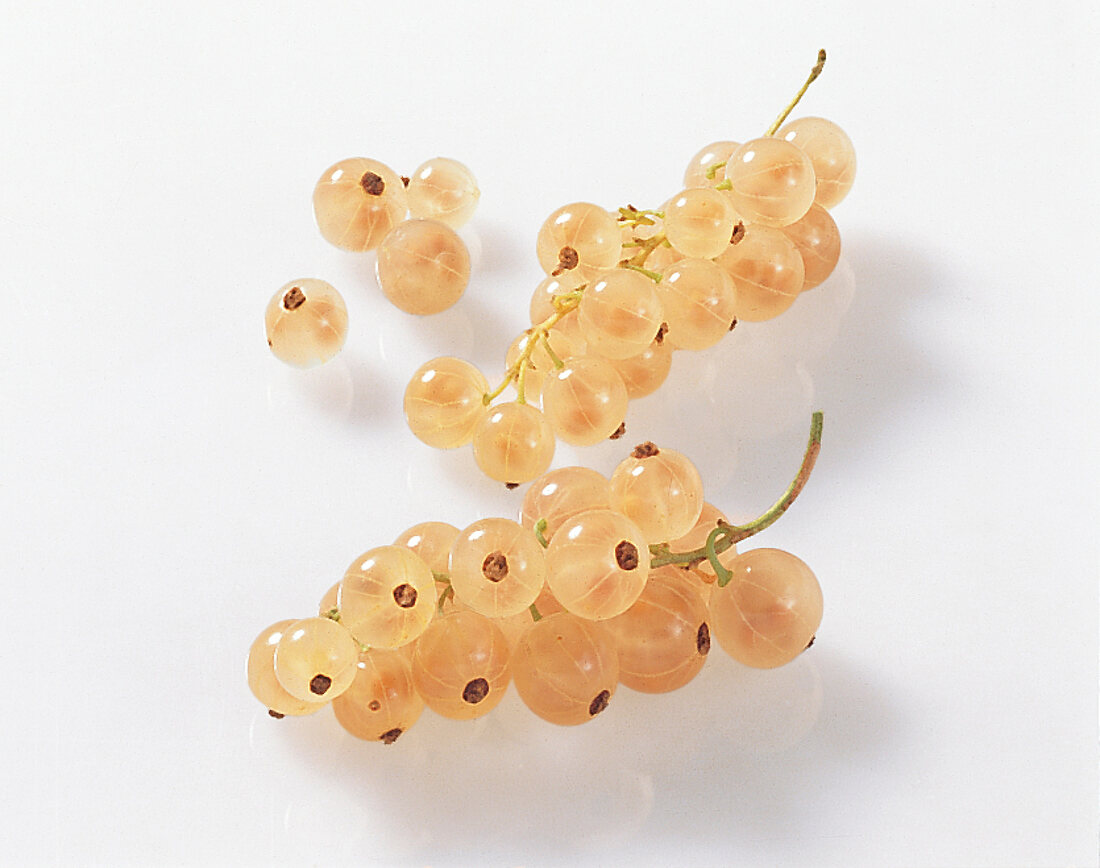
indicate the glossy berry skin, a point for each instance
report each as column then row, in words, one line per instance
column 513, row 443
column 497, row 567
column 767, row 273
column 579, row 241
column 659, row 490
column 382, row 702
column 431, row 541
column 597, row 564
column 561, row 494
column 357, row 202
column 620, row 314
column 770, row 610
column 773, row 182
column 830, row 151
column 817, row 240
column 699, row 222
column 566, row 669
column 460, row 667
column 664, row 638
column 644, row 373
column 387, row 597
column 423, row 266
column 443, row 402
column 263, row 683
column 445, row 190
column 716, row 152
column 585, row 401
column 698, row 301
column 315, row 659
column 306, row 322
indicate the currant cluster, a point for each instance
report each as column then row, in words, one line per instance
column 749, row 232
column 422, row 265
column 601, row 582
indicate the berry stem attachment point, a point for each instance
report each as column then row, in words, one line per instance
column 644, row 249
column 814, row 73
column 713, row 168
column 563, row 305
column 558, row 363
column 724, row 536
column 652, row 275
column 540, row 533
column 446, row 594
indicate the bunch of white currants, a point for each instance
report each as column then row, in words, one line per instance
column 601, row 582
column 749, row 232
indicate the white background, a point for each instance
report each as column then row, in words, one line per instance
column 167, row 488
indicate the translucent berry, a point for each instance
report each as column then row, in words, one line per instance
column 566, row 669
column 767, row 273
column 497, row 567
column 716, row 152
column 315, row 659
column 431, row 541
column 664, row 638
column 513, row 443
column 831, row 153
column 423, row 266
column 263, row 683
column 773, row 182
column 444, row 402
column 460, row 666
column 306, row 322
column 769, row 612
column 445, row 190
column 644, row 373
column 542, row 306
column 818, row 241
column 387, row 597
column 698, row 301
column 585, row 401
column 561, row 494
column 579, row 240
column 620, row 314
column 381, row 702
column 357, row 202
column 597, row 564
column 699, row 222
column 659, row 490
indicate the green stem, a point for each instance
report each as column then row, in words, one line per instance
column 558, row 363
column 540, row 530
column 652, row 275
column 447, row 594
column 535, row 614
column 814, row 73
column 726, row 535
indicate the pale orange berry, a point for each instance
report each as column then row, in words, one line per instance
column 357, row 202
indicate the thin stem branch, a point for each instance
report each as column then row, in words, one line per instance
column 540, row 531
column 563, row 304
column 724, row 536
column 814, row 73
